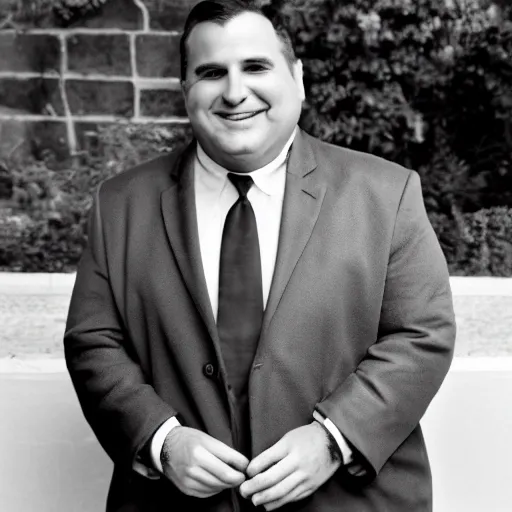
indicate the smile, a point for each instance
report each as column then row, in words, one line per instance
column 239, row 116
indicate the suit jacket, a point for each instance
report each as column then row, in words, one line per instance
column 359, row 325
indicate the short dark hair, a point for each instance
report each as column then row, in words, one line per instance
column 222, row 11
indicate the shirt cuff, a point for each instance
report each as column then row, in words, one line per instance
column 157, row 442
column 345, row 449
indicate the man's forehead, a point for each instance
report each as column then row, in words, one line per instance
column 246, row 36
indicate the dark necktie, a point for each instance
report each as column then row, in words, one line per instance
column 240, row 310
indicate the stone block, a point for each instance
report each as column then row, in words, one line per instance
column 102, row 54
column 13, row 138
column 34, row 138
column 88, row 97
column 162, row 103
column 168, row 14
column 33, row 96
column 29, row 52
column 158, row 55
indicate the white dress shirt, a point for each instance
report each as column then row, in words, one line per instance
column 214, row 196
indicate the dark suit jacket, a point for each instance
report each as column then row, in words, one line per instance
column 359, row 324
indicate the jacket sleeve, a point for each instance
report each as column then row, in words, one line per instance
column 382, row 401
column 122, row 408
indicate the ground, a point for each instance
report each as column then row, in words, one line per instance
column 33, row 325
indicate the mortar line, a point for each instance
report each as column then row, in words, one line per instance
column 99, row 77
column 145, row 14
column 89, row 31
column 70, row 126
column 95, row 119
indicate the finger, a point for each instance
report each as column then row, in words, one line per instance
column 296, row 494
column 269, row 478
column 204, row 479
column 267, row 458
column 281, row 490
column 220, row 470
column 227, row 454
column 199, row 490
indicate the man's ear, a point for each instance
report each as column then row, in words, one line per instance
column 298, row 76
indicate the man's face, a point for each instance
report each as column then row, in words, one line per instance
column 242, row 98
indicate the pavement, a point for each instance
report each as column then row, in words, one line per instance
column 33, row 311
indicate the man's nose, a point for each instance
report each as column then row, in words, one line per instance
column 235, row 91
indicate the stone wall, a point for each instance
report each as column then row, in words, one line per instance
column 60, row 79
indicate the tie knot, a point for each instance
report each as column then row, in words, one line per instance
column 242, row 183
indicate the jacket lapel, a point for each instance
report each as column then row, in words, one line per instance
column 304, row 194
column 179, row 212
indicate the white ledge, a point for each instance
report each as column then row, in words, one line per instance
column 496, row 286
column 51, row 283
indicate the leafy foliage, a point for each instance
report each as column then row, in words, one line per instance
column 43, row 224
column 485, row 243
column 426, row 83
column 420, row 82
column 65, row 12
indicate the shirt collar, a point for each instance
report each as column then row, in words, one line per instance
column 266, row 178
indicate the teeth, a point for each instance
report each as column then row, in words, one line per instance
column 239, row 117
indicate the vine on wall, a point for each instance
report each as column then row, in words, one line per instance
column 64, row 12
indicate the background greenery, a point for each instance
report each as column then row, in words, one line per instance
column 426, row 83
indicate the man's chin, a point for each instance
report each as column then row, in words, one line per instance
column 243, row 157
column 238, row 146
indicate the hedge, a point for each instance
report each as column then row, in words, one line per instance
column 43, row 226
column 420, row 82
column 426, row 83
column 43, row 223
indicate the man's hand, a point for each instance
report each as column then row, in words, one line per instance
column 292, row 469
column 200, row 465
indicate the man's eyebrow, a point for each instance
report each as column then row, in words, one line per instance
column 260, row 60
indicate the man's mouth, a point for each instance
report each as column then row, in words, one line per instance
column 239, row 116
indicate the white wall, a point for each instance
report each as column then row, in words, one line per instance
column 51, row 461
column 468, row 430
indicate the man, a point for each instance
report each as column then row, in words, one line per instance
column 273, row 341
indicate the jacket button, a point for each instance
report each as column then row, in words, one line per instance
column 209, row 370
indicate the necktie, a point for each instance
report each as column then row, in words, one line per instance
column 240, row 310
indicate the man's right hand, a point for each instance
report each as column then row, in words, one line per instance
column 200, row 465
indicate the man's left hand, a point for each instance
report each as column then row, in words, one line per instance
column 295, row 467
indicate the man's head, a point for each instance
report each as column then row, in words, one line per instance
column 241, row 81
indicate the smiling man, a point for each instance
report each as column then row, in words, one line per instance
column 260, row 320
column 243, row 94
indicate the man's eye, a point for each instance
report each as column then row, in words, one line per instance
column 212, row 74
column 255, row 68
